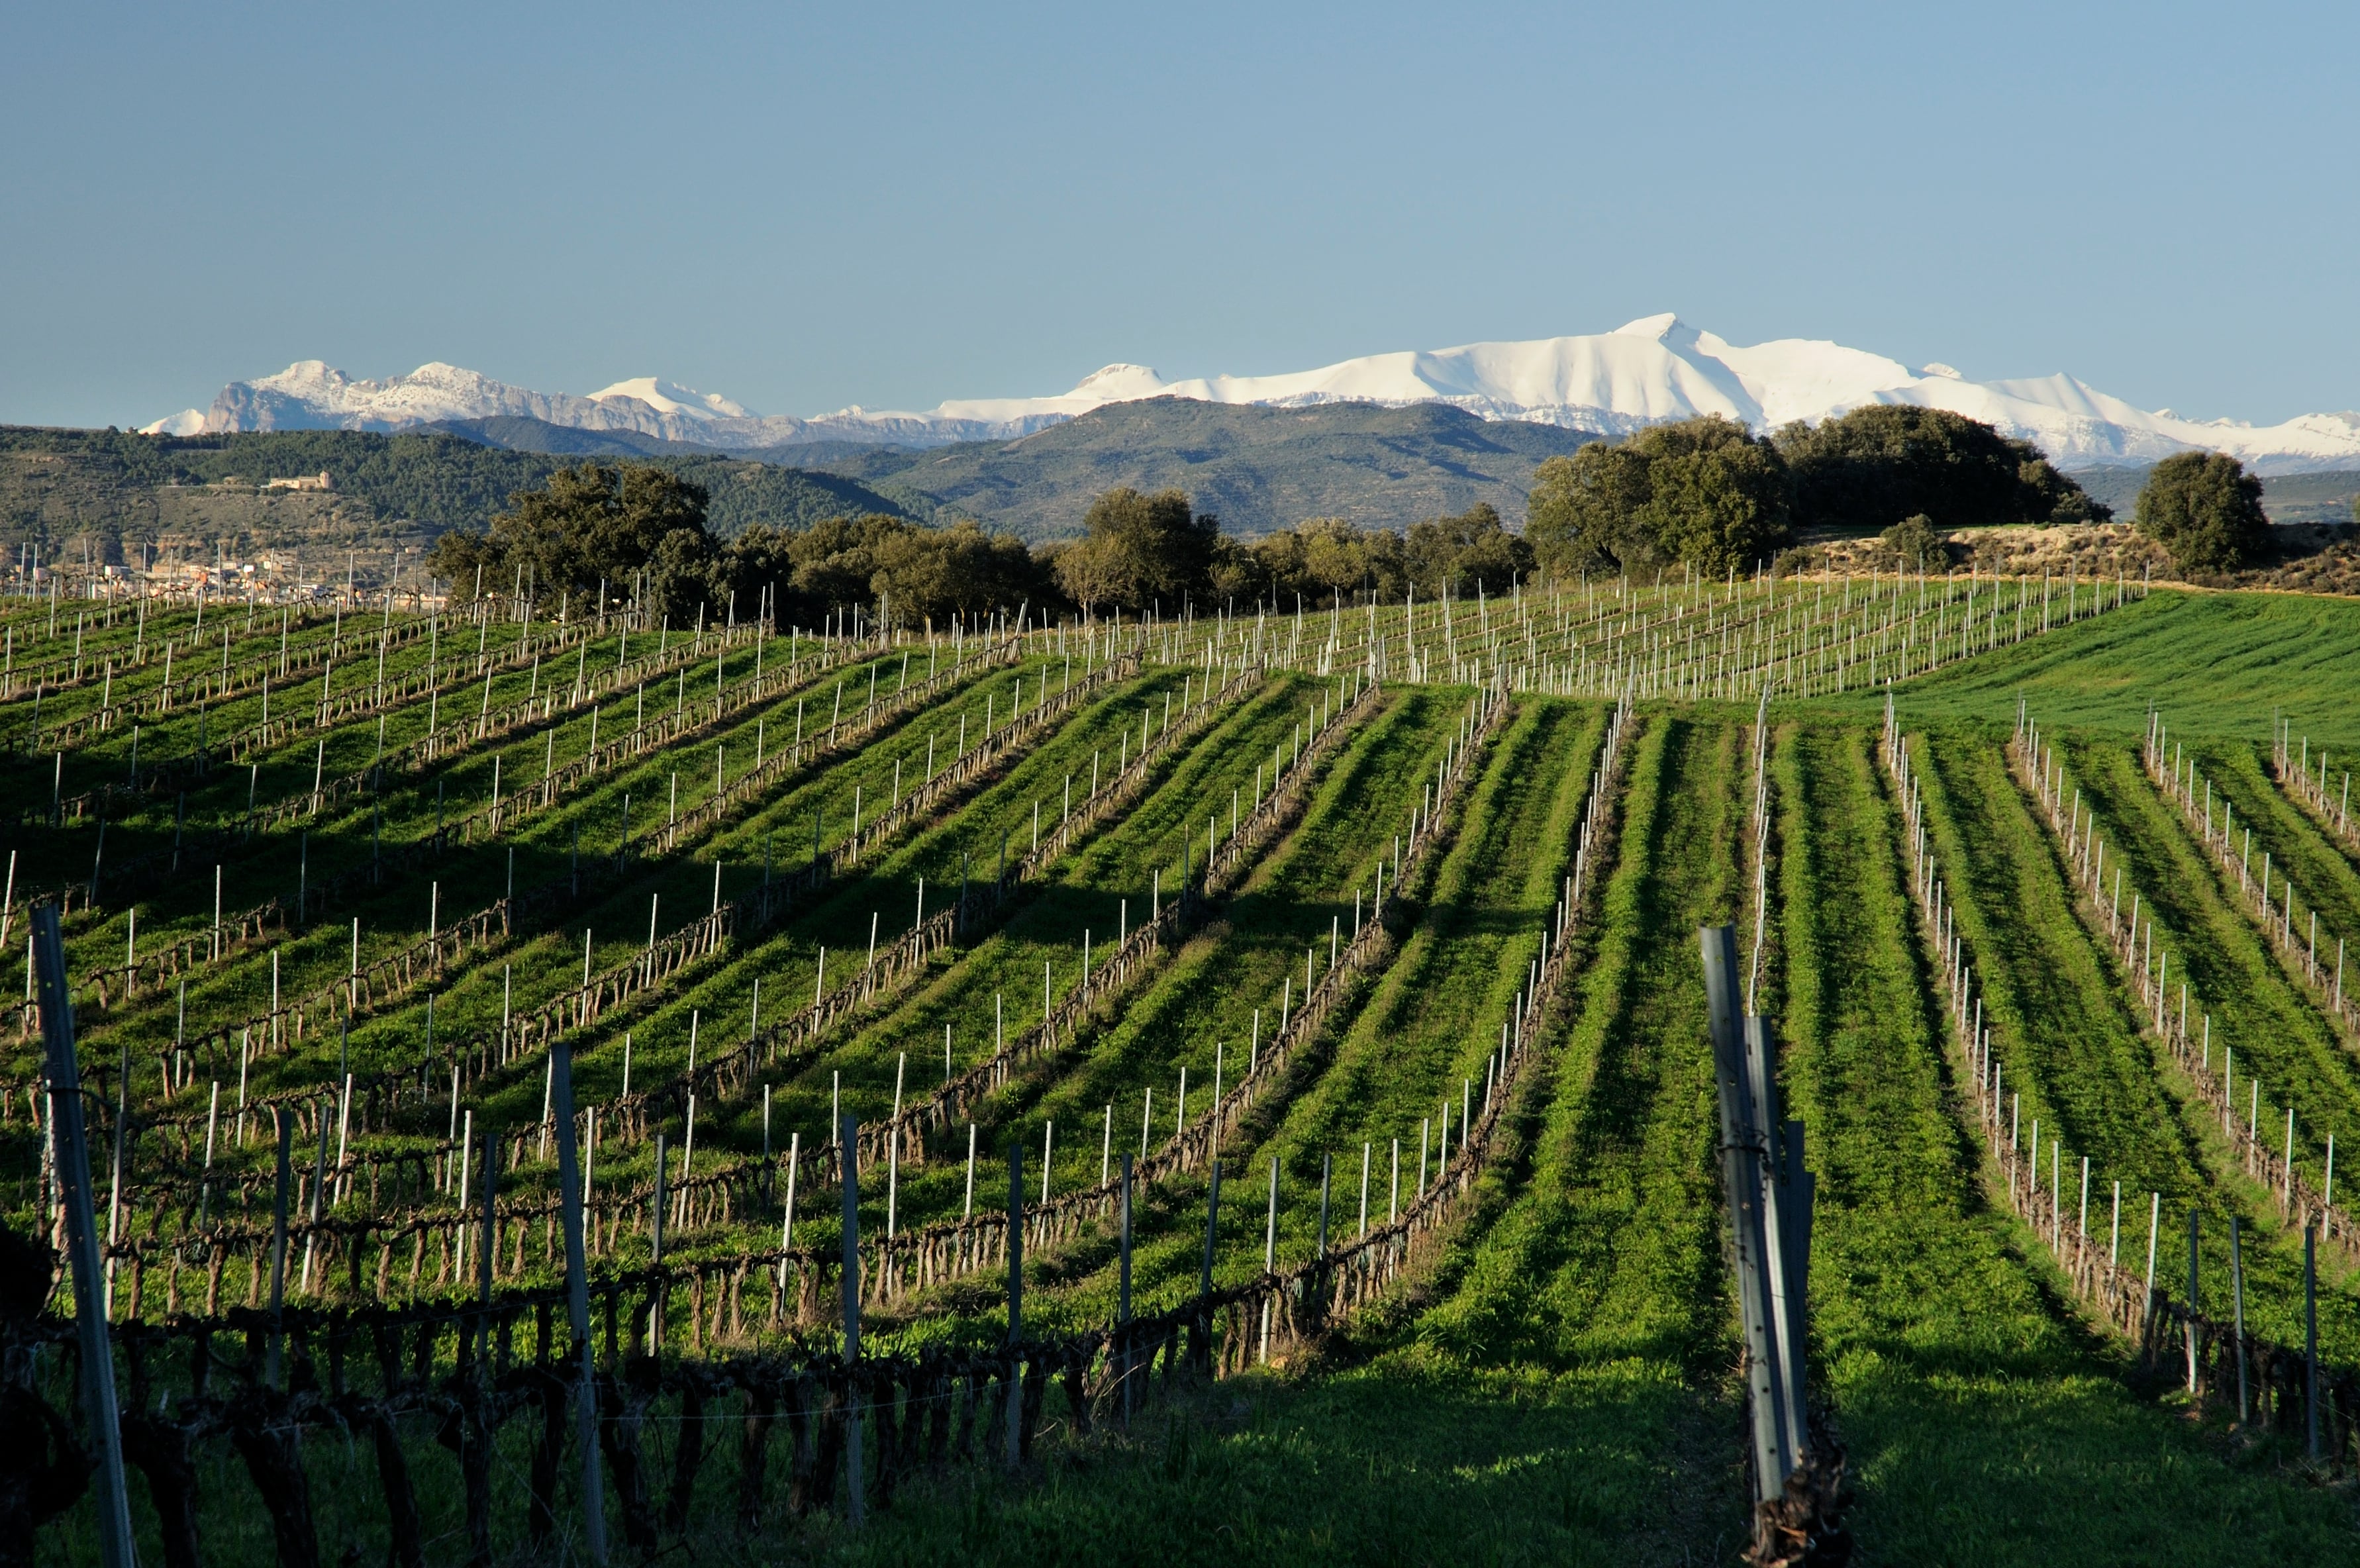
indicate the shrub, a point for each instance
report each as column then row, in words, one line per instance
column 1914, row 539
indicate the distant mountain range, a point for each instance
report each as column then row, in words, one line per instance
column 1605, row 384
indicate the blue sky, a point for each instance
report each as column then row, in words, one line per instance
column 890, row 205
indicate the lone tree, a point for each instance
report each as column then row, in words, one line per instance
column 1140, row 550
column 1451, row 556
column 2205, row 510
column 591, row 523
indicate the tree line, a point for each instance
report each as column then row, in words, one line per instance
column 639, row 534
column 1705, row 493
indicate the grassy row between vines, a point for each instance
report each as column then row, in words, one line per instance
column 289, row 862
column 1985, row 1423
column 1199, row 1013
column 1084, row 892
column 1383, row 1067
column 2237, row 980
column 472, row 877
column 2067, row 1023
column 394, row 1038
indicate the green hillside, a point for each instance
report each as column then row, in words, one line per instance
column 1258, row 469
column 118, row 491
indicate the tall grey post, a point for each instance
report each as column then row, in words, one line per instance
column 1788, row 1190
column 1743, row 1157
column 849, row 1135
column 577, row 1295
column 81, row 1237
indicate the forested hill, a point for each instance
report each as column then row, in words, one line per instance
column 57, row 483
column 1259, row 469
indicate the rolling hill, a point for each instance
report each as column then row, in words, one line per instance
column 1259, row 469
column 115, row 488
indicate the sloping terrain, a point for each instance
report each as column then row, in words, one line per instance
column 1258, row 469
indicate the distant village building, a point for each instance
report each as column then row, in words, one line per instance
column 303, row 482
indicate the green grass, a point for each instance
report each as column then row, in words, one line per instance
column 1203, row 1005
column 310, row 855
column 1611, row 1251
column 543, row 965
column 787, row 960
column 2217, row 663
column 2326, row 871
column 1392, row 1464
column 472, row 876
column 1085, row 892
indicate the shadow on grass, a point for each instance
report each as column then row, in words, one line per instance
column 1404, row 1462
column 1985, row 1468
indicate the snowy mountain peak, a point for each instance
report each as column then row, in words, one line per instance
column 1118, row 382
column 671, row 398
column 1654, row 369
column 1654, row 329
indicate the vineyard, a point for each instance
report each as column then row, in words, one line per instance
column 522, row 1084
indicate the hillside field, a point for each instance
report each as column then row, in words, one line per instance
column 1368, row 941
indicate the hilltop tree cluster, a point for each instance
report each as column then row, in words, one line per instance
column 1709, row 494
column 1330, row 560
column 1139, row 551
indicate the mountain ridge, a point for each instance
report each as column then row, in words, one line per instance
column 1258, row 468
column 1608, row 384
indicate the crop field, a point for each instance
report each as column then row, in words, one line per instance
column 1238, row 1087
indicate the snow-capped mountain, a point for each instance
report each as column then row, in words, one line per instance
column 671, row 398
column 1653, row 369
column 311, row 394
